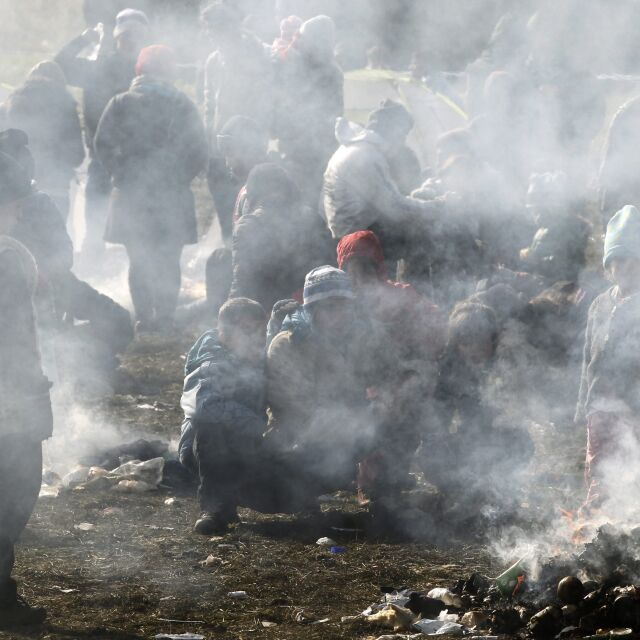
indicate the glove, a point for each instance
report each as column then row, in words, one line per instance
column 281, row 310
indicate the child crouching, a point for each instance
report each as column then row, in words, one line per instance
column 225, row 414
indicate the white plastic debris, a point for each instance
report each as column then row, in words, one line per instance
column 77, row 476
column 134, row 486
column 179, row 636
column 47, row 491
column 326, row 542
column 238, row 595
column 446, row 597
column 170, row 502
column 149, row 471
column 84, row 526
column 438, row 628
column 445, row 616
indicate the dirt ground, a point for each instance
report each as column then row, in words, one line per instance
column 138, row 572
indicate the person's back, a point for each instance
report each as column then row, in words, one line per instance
column 278, row 243
column 151, row 140
column 46, row 111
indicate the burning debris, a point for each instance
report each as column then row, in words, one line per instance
column 590, row 594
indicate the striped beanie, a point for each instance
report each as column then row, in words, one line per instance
column 326, row 282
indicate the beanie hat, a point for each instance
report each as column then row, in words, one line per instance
column 362, row 244
column 14, row 181
column 622, row 239
column 130, row 20
column 390, row 118
column 156, row 60
column 243, row 132
column 268, row 182
column 326, row 282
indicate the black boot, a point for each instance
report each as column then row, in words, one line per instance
column 15, row 612
column 215, row 524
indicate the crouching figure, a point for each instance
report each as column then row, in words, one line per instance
column 225, row 413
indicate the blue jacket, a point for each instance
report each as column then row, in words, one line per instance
column 220, row 391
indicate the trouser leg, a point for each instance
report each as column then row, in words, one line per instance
column 167, row 283
column 20, row 479
column 220, row 471
column 141, row 276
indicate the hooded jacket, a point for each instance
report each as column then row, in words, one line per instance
column 152, row 142
column 358, row 188
column 220, row 391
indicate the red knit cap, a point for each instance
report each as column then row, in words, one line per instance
column 362, row 244
column 156, row 60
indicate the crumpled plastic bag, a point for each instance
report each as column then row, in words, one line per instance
column 438, row 628
column 149, row 471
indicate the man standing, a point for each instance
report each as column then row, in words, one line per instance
column 152, row 143
column 25, row 407
column 109, row 74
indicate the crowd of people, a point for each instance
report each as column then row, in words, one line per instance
column 369, row 317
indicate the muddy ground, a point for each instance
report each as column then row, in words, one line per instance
column 138, row 573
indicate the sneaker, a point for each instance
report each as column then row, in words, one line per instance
column 212, row 524
column 17, row 613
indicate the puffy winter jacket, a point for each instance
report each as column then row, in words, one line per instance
column 220, row 390
column 358, row 188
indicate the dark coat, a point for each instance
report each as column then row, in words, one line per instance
column 109, row 74
column 273, row 249
column 48, row 114
column 42, row 230
column 25, row 408
column 152, row 142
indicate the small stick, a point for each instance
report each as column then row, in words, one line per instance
column 182, row 621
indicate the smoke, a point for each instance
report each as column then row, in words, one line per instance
column 499, row 91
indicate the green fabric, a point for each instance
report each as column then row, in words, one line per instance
column 623, row 235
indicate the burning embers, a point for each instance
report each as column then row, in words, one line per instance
column 588, row 594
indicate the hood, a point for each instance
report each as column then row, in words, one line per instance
column 206, row 349
column 348, row 133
